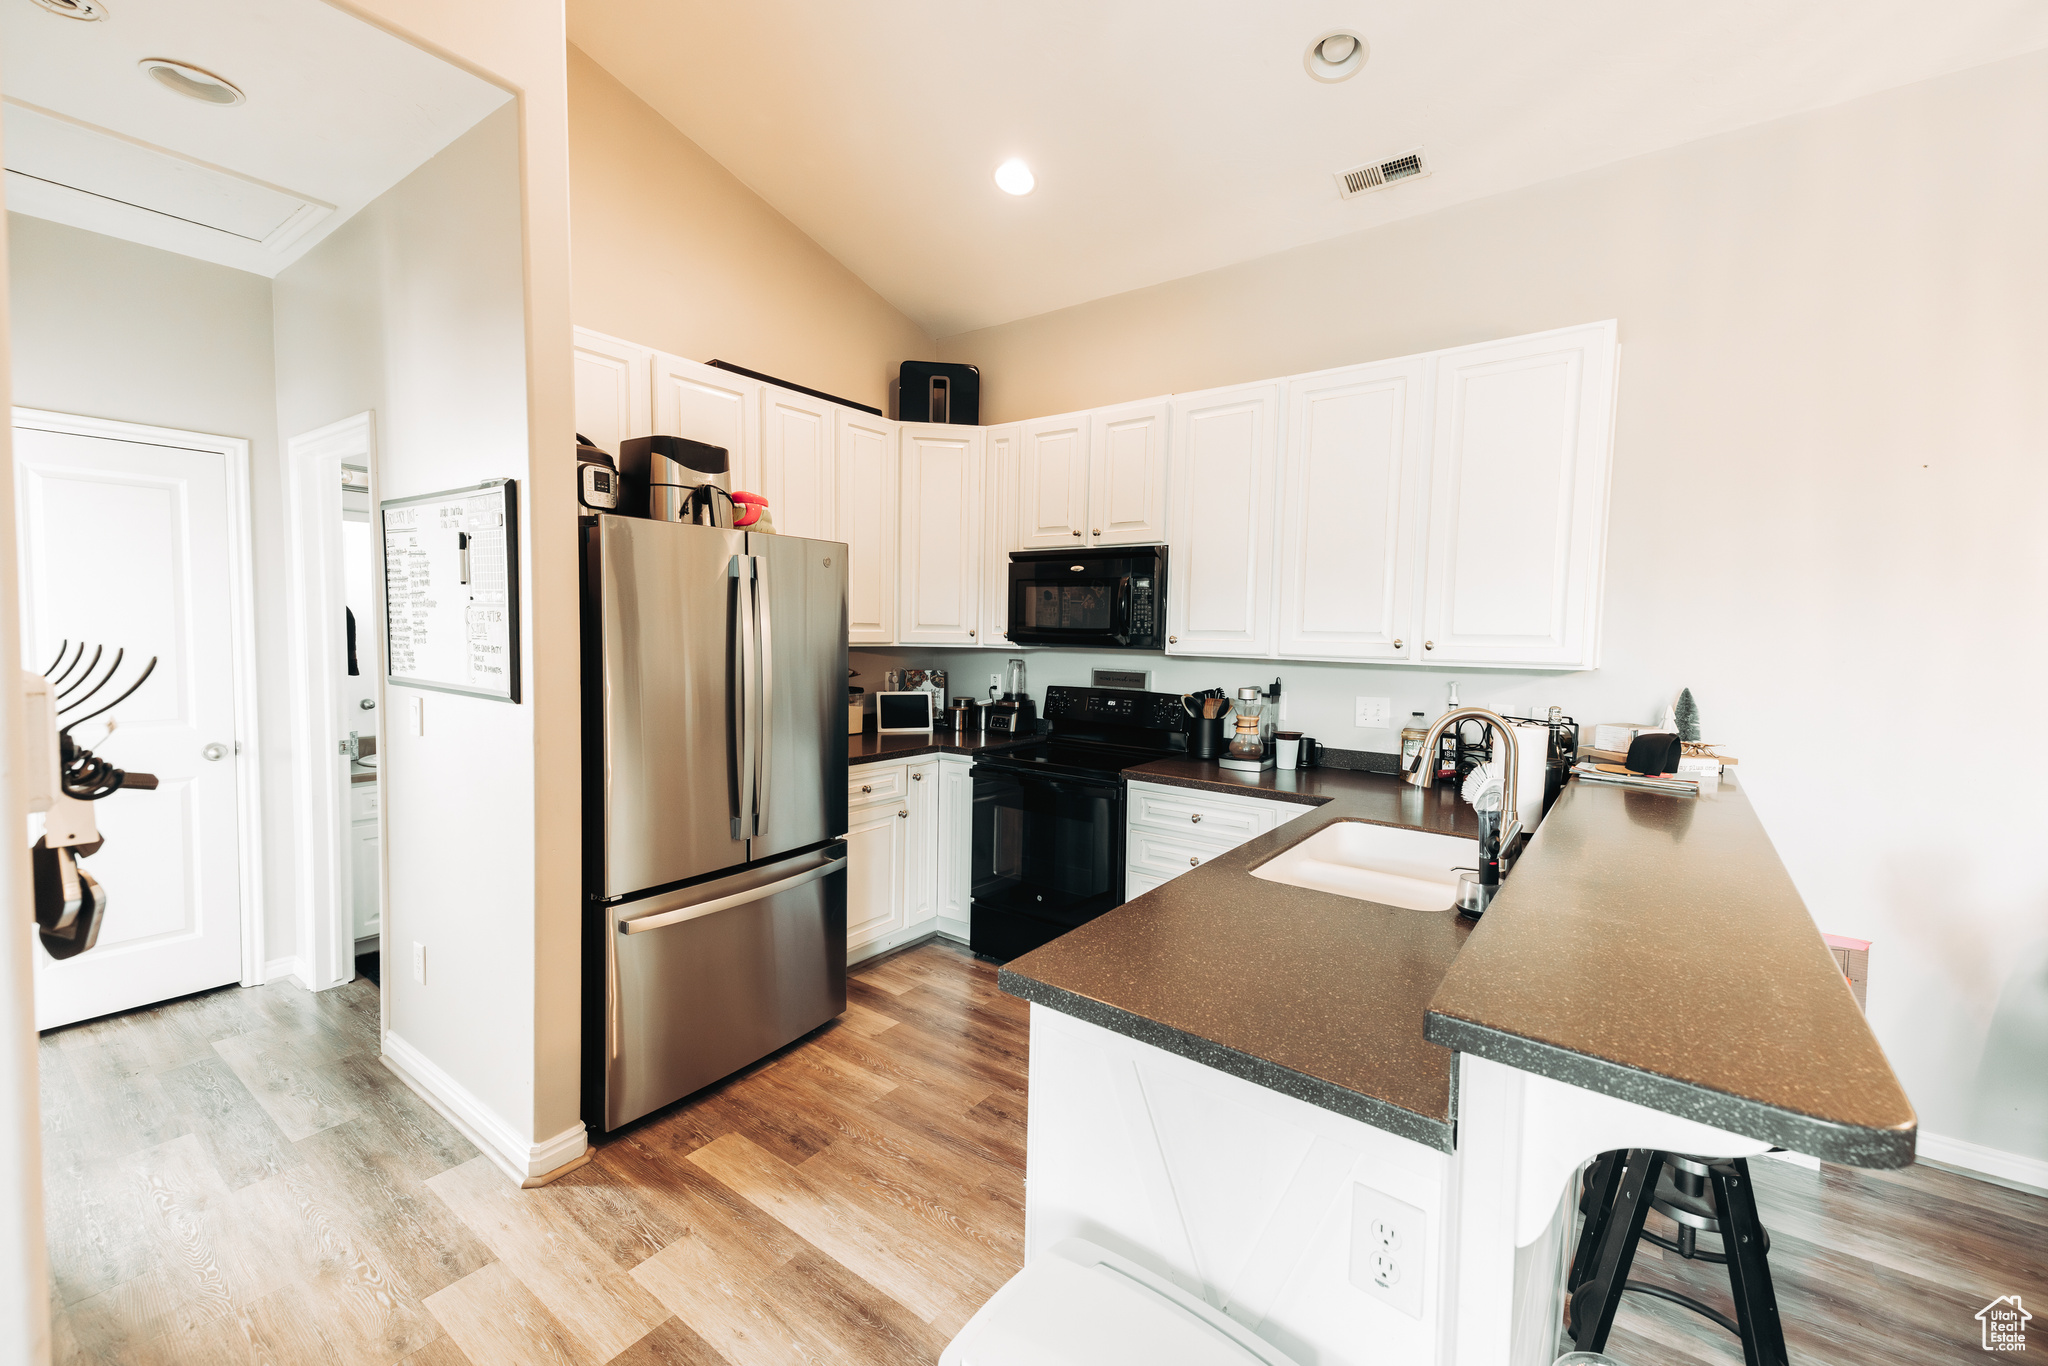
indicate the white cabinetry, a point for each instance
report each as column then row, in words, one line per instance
column 909, row 848
column 867, row 523
column 877, row 846
column 1353, row 504
column 1052, row 482
column 705, row 403
column 799, row 475
column 998, row 533
column 941, row 534
column 1518, row 500
column 366, row 881
column 613, row 389
column 1226, row 448
column 1127, row 474
column 920, row 887
column 1169, row 830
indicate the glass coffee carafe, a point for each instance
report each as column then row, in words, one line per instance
column 1249, row 746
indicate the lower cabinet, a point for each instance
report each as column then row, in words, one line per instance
column 365, row 870
column 909, row 844
column 1170, row 830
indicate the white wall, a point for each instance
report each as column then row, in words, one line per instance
column 1828, row 492
column 414, row 310
column 114, row 329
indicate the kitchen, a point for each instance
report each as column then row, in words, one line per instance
column 1762, row 522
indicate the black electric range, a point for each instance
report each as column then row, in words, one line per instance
column 1049, row 817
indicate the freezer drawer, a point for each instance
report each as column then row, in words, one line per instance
column 703, row 981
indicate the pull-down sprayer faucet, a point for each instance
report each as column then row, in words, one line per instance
column 1500, row 838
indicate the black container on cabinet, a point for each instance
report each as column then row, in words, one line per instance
column 930, row 391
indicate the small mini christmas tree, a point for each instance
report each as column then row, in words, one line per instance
column 1687, row 716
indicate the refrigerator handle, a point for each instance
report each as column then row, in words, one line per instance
column 741, row 754
column 764, row 741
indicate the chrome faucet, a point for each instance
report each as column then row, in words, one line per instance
column 1494, row 862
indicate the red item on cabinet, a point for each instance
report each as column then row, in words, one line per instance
column 748, row 509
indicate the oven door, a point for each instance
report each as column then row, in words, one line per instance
column 1048, row 856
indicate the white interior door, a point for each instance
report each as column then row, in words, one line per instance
column 132, row 545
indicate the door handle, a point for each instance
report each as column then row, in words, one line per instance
column 663, row 919
column 214, row 753
column 739, row 569
column 764, row 650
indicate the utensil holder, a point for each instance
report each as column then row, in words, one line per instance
column 1208, row 739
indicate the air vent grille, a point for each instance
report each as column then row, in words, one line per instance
column 1377, row 175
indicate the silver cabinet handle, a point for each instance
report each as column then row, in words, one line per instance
column 1097, row 531
column 917, row 777
column 1195, row 819
column 904, row 814
column 1429, row 645
column 663, row 919
column 368, row 704
column 1077, row 533
column 213, row 754
column 1397, row 643
column 1173, row 640
column 1193, row 862
column 867, row 787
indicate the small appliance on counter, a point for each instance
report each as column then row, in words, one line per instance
column 1251, row 744
column 675, row 479
column 1014, row 713
column 597, row 477
column 1100, row 599
column 965, row 716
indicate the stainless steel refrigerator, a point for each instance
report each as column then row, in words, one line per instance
column 714, row 687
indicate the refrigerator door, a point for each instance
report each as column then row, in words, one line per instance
column 671, row 653
column 800, row 669
column 703, row 981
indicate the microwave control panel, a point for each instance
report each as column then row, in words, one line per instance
column 1143, row 605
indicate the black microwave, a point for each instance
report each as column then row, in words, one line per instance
column 1113, row 598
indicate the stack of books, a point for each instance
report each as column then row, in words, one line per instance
column 1677, row 784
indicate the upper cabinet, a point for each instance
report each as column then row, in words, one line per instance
column 867, row 523
column 1219, row 562
column 613, row 389
column 1127, row 473
column 1052, row 483
column 1353, row 506
column 1518, row 500
column 799, row 475
column 940, row 597
column 714, row 406
column 998, row 533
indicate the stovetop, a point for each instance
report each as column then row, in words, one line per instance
column 1100, row 732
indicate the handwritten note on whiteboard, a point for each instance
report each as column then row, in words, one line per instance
column 451, row 590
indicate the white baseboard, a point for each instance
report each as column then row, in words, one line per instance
column 277, row 969
column 529, row 1164
column 2004, row 1167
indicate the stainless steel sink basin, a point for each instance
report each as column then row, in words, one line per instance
column 1412, row 869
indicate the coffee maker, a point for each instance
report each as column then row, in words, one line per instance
column 675, row 479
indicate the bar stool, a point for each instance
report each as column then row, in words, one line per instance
column 1703, row 1195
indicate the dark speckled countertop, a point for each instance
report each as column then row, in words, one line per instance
column 1645, row 946
column 870, row 748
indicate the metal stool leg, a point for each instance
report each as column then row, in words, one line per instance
column 1596, row 1202
column 1594, row 1302
column 1749, row 1273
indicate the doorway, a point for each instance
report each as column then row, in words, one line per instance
column 135, row 545
column 358, row 720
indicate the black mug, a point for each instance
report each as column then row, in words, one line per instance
column 1206, row 738
column 1311, row 753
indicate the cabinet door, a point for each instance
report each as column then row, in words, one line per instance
column 711, row 405
column 867, row 523
column 1518, row 500
column 799, row 477
column 1052, row 483
column 921, row 848
column 1352, row 506
column 1127, row 474
column 955, row 862
column 614, row 387
column 942, row 517
column 998, row 534
column 875, row 845
column 1225, row 465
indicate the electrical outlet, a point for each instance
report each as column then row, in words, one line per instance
column 419, row 962
column 1374, row 713
column 417, row 713
column 1387, row 1246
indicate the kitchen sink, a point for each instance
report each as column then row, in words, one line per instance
column 1412, row 869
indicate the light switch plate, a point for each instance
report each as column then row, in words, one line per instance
column 1389, row 1243
column 418, row 707
column 419, row 962
column 1374, row 713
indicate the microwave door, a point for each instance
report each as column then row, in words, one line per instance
column 669, row 663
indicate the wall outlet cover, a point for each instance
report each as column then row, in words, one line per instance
column 419, row 962
column 1389, row 1246
column 1374, row 713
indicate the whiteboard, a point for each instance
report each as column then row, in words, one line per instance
column 451, row 590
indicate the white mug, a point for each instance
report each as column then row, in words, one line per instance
column 1287, row 753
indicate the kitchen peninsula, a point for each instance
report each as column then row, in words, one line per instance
column 1235, row 1081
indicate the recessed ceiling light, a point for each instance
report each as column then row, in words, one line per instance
column 190, row 81
column 75, row 9
column 1014, row 177
column 1335, row 56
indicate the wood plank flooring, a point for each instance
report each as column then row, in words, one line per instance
column 235, row 1178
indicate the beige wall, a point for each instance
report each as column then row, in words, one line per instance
column 1830, row 473
column 673, row 252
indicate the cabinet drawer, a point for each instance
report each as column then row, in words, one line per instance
column 1162, row 857
column 362, row 801
column 1209, row 818
column 877, row 783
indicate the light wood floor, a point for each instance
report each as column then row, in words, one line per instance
column 235, row 1178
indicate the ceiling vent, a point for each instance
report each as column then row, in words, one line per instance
column 91, row 178
column 1378, row 175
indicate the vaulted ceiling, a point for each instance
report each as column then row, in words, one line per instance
column 1175, row 136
